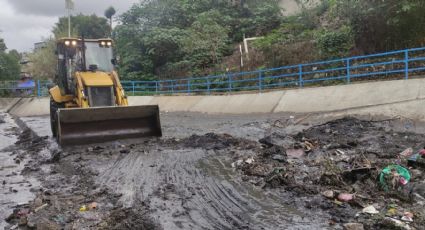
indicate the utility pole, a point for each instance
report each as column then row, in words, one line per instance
column 69, row 5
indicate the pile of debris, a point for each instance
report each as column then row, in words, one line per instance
column 357, row 171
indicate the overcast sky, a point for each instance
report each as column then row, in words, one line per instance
column 24, row 22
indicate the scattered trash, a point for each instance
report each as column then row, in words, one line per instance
column 353, row 226
column 279, row 157
column 407, row 153
column 345, row 197
column 83, row 208
column 391, row 212
column 237, row 163
column 370, row 210
column 408, row 217
column 328, row 194
column 340, row 152
column 40, row 207
column 417, row 159
column 393, row 177
column 92, row 206
column 308, row 146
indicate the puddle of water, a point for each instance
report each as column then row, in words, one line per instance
column 7, row 133
column 14, row 188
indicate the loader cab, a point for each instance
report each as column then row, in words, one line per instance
column 82, row 55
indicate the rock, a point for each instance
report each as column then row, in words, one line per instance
column 4, row 182
column 295, row 153
column 419, row 189
column 237, row 163
column 328, row 194
column 391, row 223
column 56, row 155
column 353, row 226
column 249, row 160
column 407, row 217
column 38, row 202
column 279, row 158
column 23, row 221
column 370, row 209
column 46, row 224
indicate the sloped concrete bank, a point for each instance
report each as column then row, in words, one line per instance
column 391, row 98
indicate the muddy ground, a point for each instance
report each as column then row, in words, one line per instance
column 276, row 171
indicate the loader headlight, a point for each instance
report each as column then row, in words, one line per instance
column 105, row 43
column 67, row 43
column 74, row 43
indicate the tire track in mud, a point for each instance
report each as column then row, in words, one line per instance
column 197, row 189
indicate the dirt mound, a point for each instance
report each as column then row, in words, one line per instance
column 214, row 141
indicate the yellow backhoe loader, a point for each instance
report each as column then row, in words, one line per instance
column 88, row 104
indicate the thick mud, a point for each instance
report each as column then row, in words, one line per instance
column 225, row 172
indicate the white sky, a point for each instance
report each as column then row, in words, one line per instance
column 25, row 22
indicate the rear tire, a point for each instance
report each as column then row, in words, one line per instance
column 54, row 106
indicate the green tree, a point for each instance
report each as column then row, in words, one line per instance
column 207, row 36
column 91, row 26
column 179, row 38
column 109, row 13
column 10, row 68
column 3, row 46
column 43, row 61
column 384, row 25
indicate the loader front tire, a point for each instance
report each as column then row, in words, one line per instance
column 54, row 106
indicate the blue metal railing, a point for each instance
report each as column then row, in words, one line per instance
column 400, row 64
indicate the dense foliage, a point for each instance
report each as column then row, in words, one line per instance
column 9, row 63
column 43, row 61
column 89, row 26
column 167, row 38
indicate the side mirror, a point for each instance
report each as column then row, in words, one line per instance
column 114, row 61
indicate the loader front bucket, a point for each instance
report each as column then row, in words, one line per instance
column 102, row 124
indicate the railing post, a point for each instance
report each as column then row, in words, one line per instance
column 172, row 86
column 348, row 70
column 208, row 86
column 230, row 82
column 300, row 75
column 406, row 64
column 260, row 81
column 133, row 86
column 188, row 86
column 156, row 87
column 38, row 88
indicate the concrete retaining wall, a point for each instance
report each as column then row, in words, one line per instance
column 7, row 103
column 401, row 97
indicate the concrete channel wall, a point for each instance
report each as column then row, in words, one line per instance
column 391, row 98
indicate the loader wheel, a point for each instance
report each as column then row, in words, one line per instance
column 54, row 106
